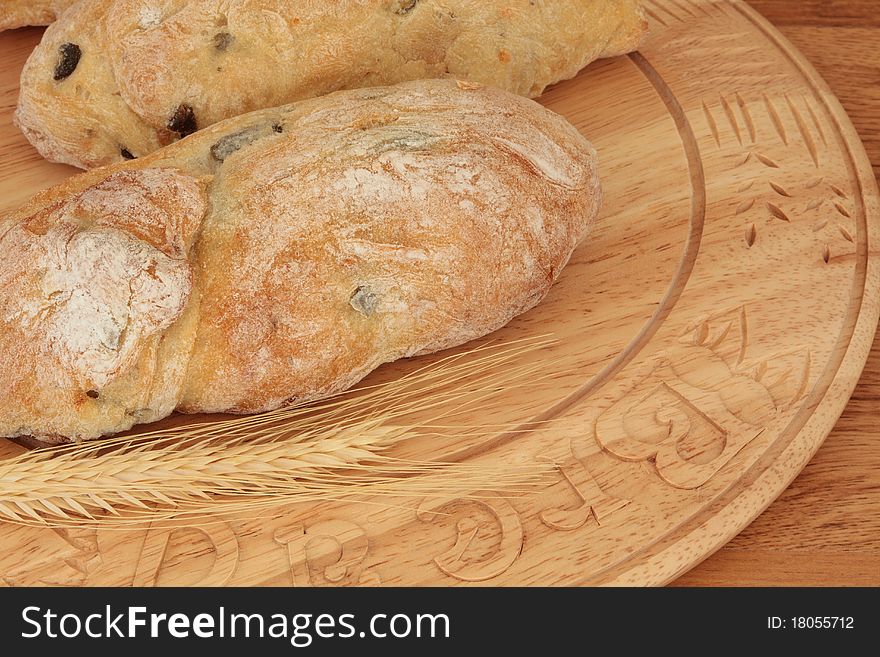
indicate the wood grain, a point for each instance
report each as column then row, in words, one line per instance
column 712, row 331
column 825, row 529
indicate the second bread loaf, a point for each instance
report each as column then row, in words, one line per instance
column 116, row 79
column 18, row 13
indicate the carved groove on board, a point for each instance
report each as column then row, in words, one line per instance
column 677, row 285
column 731, row 118
column 679, row 282
column 751, row 235
column 713, row 124
column 652, row 14
column 777, row 212
column 702, row 7
column 816, row 121
column 680, row 4
column 809, row 141
column 745, row 206
column 750, row 123
column 779, row 189
column 767, row 161
column 660, row 5
column 775, row 119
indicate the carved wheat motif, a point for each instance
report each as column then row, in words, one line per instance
column 829, row 228
column 779, row 120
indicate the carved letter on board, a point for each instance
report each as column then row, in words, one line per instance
column 331, row 552
column 595, row 503
column 455, row 561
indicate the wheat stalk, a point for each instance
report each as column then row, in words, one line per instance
column 327, row 451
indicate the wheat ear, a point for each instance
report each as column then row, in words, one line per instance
column 331, row 450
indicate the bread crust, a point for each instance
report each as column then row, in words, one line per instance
column 282, row 255
column 20, row 13
column 151, row 70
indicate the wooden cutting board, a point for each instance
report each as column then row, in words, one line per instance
column 709, row 335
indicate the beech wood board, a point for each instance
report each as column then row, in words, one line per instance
column 710, row 333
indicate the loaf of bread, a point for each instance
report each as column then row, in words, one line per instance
column 18, row 13
column 282, row 255
column 117, row 79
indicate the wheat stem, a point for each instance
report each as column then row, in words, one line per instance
column 333, row 450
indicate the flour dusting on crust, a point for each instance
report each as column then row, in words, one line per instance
column 105, row 291
column 90, row 285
